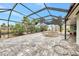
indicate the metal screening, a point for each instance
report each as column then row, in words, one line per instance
column 45, row 11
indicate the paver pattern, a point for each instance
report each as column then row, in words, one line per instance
column 38, row 45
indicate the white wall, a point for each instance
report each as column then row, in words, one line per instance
column 77, row 38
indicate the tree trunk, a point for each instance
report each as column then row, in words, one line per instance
column 25, row 26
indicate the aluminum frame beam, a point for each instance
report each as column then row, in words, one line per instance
column 43, row 17
column 57, row 9
column 10, row 16
column 29, row 9
column 36, row 12
column 49, row 8
column 65, row 30
column 10, row 20
column 51, row 16
column 4, row 11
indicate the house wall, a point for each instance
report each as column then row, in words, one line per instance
column 77, row 37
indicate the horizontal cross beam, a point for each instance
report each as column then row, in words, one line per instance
column 50, row 8
column 48, row 16
column 57, row 9
column 10, row 20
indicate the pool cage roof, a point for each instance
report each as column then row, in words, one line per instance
column 46, row 11
column 11, row 13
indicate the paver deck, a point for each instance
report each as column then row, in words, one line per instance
column 37, row 45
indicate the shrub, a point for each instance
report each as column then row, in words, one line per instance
column 19, row 29
column 43, row 28
column 37, row 29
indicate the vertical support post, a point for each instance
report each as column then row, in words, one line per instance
column 65, row 29
column 8, row 28
column 0, row 33
column 10, row 16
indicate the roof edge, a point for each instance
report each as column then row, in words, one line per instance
column 72, row 8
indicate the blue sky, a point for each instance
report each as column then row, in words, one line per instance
column 34, row 7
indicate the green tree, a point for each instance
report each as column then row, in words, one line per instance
column 43, row 28
column 3, row 25
column 26, row 24
column 35, row 21
column 19, row 29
